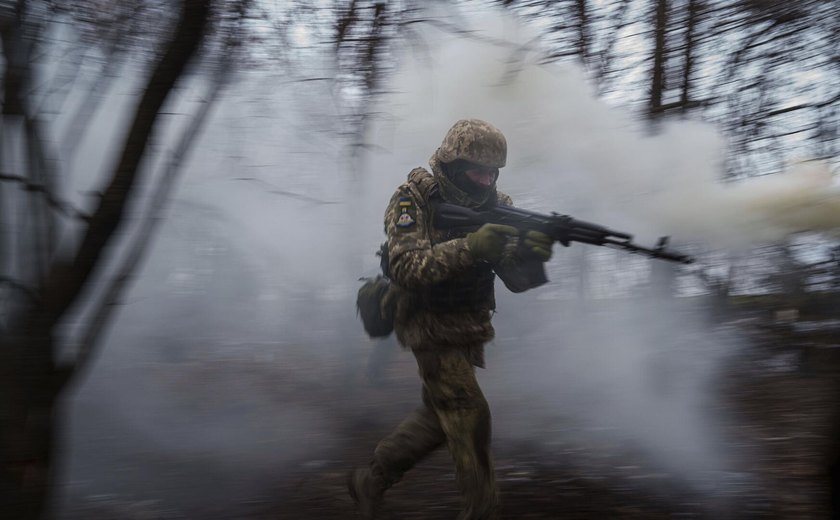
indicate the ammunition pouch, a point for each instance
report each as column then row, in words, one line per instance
column 375, row 307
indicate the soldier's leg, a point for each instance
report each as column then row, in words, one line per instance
column 453, row 393
column 416, row 436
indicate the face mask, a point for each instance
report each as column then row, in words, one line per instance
column 472, row 178
column 458, row 189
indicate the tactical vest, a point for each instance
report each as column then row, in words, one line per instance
column 471, row 291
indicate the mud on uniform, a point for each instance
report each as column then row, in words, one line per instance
column 445, row 299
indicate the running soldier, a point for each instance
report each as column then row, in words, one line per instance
column 443, row 286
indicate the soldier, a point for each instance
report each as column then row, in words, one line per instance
column 443, row 284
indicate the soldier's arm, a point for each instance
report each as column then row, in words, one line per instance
column 518, row 273
column 414, row 261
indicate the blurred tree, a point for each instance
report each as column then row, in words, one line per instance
column 40, row 283
column 364, row 35
column 764, row 70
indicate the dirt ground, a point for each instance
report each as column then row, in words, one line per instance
column 782, row 397
column 783, row 400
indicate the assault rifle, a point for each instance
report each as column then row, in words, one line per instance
column 562, row 228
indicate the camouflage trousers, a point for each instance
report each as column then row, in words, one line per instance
column 456, row 413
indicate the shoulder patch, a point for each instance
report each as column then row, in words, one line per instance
column 405, row 220
column 407, row 215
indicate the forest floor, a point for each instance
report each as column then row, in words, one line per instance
column 783, row 398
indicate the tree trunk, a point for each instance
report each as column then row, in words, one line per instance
column 30, row 382
column 688, row 57
column 27, row 427
column 657, row 87
column 583, row 31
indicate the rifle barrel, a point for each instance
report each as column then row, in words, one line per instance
column 563, row 228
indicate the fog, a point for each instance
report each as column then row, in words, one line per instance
column 251, row 282
column 641, row 369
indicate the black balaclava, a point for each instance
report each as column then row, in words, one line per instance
column 455, row 172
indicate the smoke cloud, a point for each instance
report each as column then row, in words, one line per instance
column 256, row 269
column 570, row 151
column 637, row 371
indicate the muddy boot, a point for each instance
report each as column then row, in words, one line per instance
column 366, row 490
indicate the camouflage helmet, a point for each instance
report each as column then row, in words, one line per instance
column 475, row 141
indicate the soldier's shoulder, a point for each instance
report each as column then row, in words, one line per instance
column 406, row 191
column 402, row 191
column 419, row 175
column 418, row 186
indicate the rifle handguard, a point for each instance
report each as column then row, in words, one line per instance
column 562, row 228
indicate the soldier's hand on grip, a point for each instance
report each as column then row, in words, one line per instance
column 488, row 243
column 539, row 245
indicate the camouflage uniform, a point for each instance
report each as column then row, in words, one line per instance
column 445, row 299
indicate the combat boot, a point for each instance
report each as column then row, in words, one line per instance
column 366, row 490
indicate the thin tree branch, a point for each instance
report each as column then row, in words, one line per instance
column 344, row 23
column 277, row 191
column 64, row 288
column 18, row 286
column 114, row 60
column 51, row 200
column 154, row 216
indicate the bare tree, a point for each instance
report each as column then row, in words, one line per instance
column 39, row 295
column 762, row 69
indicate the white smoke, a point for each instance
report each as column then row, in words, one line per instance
column 294, row 271
column 571, row 152
column 643, row 370
column 804, row 197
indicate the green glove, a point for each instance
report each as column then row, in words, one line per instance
column 539, row 245
column 488, row 243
